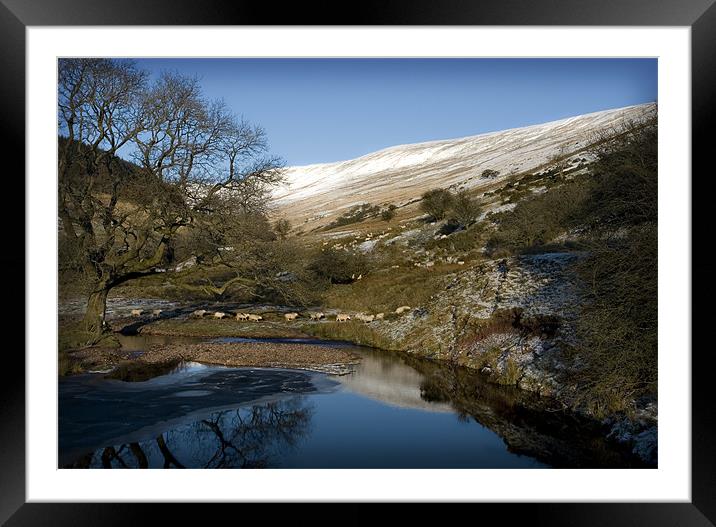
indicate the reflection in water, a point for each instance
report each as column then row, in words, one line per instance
column 95, row 412
column 528, row 424
column 240, row 438
column 384, row 376
column 393, row 411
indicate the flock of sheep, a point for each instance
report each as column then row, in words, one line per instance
column 340, row 317
column 139, row 312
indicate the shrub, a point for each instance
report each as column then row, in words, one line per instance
column 464, row 209
column 67, row 365
column 282, row 227
column 388, row 213
column 436, row 203
column 460, row 241
column 616, row 361
column 355, row 214
column 338, row 266
column 489, row 174
column 617, row 355
column 540, row 218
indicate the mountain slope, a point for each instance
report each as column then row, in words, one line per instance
column 314, row 194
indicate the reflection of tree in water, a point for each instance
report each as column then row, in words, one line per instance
column 528, row 424
column 240, row 438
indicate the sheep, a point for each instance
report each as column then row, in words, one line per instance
column 199, row 313
column 316, row 316
column 379, row 316
column 241, row 316
column 156, row 312
column 219, row 315
column 255, row 318
column 137, row 312
column 342, row 317
column 461, row 262
column 366, row 318
column 291, row 316
column 402, row 309
column 360, row 276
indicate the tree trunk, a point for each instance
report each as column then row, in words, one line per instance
column 94, row 316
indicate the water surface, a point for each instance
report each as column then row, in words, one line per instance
column 393, row 411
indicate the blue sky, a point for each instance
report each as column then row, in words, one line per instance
column 323, row 110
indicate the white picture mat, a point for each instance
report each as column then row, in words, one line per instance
column 670, row 482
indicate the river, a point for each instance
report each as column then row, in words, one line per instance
column 392, row 411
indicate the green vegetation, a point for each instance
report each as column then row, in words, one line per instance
column 461, row 209
column 540, row 218
column 465, row 241
column 614, row 213
column 352, row 331
column 436, row 203
column 464, row 209
column 71, row 335
column 386, row 290
column 270, row 327
column 67, row 365
column 337, row 266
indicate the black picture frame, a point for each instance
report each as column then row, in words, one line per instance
column 16, row 15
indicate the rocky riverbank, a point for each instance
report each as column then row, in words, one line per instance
column 513, row 320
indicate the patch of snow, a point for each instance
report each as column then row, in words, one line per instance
column 402, row 173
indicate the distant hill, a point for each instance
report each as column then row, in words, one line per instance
column 314, row 195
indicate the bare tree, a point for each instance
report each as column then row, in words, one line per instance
column 193, row 162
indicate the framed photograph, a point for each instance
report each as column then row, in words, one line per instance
column 430, row 254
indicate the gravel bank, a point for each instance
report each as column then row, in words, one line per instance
column 326, row 359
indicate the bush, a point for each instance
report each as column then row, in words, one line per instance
column 355, row 214
column 464, row 209
column 461, row 241
column 282, row 227
column 625, row 176
column 436, row 203
column 489, row 174
column 540, row 218
column 616, row 361
column 389, row 213
column 338, row 266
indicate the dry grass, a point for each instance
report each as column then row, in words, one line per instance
column 352, row 331
column 208, row 327
column 386, row 290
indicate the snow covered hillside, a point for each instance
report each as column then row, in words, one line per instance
column 314, row 194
